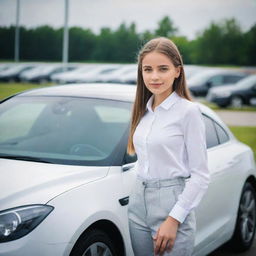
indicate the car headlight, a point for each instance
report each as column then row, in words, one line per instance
column 18, row 222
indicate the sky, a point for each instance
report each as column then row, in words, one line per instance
column 189, row 16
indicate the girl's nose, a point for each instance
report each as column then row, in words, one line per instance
column 155, row 75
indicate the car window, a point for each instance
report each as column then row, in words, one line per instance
column 222, row 134
column 18, row 120
column 211, row 135
column 216, row 80
column 67, row 130
column 229, row 79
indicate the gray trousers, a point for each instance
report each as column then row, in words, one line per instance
column 149, row 205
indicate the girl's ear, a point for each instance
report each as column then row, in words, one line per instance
column 178, row 71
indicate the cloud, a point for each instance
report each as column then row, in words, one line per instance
column 188, row 16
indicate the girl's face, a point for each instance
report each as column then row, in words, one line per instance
column 158, row 73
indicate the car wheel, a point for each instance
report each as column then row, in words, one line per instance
column 43, row 81
column 222, row 105
column 236, row 102
column 12, row 80
column 94, row 243
column 246, row 220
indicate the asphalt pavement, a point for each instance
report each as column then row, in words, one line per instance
column 224, row 252
column 237, row 118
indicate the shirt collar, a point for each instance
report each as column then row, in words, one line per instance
column 166, row 104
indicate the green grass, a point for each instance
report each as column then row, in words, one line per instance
column 216, row 107
column 8, row 89
column 246, row 135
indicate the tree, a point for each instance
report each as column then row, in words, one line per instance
column 250, row 46
column 220, row 43
column 166, row 28
column 81, row 44
column 184, row 48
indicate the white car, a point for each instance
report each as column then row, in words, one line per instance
column 65, row 177
column 116, row 75
column 96, row 74
column 130, row 77
column 72, row 76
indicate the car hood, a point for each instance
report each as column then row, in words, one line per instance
column 220, row 89
column 24, row 182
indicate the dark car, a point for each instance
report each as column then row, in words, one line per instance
column 241, row 93
column 200, row 83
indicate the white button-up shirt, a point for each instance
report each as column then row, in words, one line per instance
column 170, row 142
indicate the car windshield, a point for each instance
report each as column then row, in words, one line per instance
column 201, row 77
column 16, row 68
column 65, row 130
column 247, row 82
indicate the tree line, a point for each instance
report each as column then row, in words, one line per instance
column 222, row 43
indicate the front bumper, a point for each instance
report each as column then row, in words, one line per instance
column 30, row 247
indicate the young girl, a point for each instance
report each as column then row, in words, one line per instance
column 168, row 135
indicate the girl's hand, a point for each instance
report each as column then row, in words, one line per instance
column 166, row 235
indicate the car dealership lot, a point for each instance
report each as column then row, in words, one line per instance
column 71, row 149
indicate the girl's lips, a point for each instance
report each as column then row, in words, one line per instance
column 156, row 85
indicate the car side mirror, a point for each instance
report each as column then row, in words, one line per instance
column 129, row 158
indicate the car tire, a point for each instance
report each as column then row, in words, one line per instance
column 94, row 242
column 222, row 105
column 246, row 221
column 43, row 81
column 236, row 102
column 12, row 80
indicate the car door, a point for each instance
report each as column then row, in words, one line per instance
column 252, row 95
column 216, row 210
column 128, row 173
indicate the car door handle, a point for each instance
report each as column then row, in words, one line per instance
column 127, row 167
column 124, row 201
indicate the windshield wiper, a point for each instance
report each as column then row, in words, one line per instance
column 25, row 158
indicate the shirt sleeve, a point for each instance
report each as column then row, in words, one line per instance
column 195, row 143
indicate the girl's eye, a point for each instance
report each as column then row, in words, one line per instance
column 147, row 69
column 163, row 69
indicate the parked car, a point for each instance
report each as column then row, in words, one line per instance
column 5, row 66
column 65, row 177
column 96, row 73
column 71, row 76
column 116, row 75
column 236, row 95
column 42, row 73
column 130, row 77
column 12, row 74
column 200, row 83
column 87, row 74
column 191, row 70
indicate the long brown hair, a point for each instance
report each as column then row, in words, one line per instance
column 168, row 48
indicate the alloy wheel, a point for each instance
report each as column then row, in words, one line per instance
column 97, row 249
column 236, row 102
column 247, row 217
